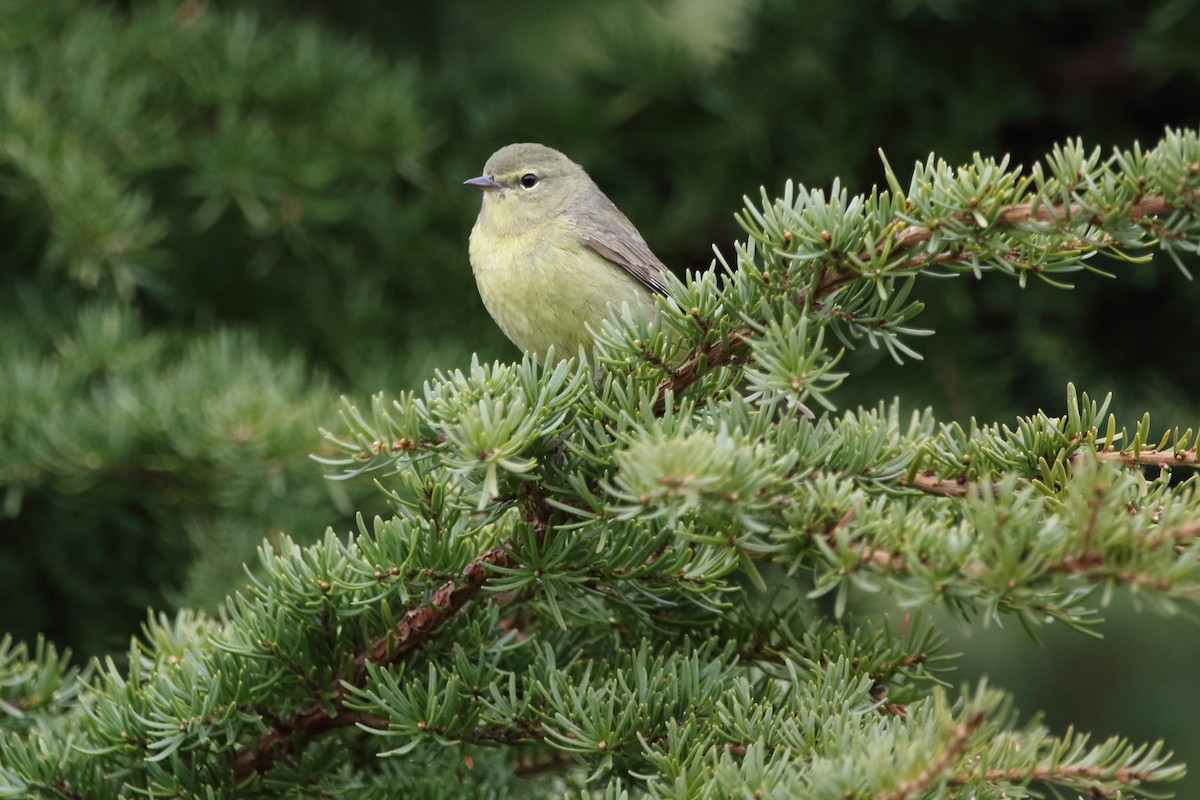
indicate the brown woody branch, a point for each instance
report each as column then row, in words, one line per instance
column 930, row 483
column 1151, row 206
column 1181, row 535
column 714, row 354
column 403, row 445
column 1151, row 457
column 1089, row 563
column 960, row 735
column 1066, row 775
column 415, row 628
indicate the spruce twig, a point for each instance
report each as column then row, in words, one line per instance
column 418, row 624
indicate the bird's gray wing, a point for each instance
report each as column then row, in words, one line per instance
column 603, row 227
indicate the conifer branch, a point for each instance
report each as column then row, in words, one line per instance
column 1151, row 205
column 952, row 751
column 1072, row 775
column 415, row 628
column 1150, row 457
column 1090, row 563
column 401, row 445
column 1183, row 534
column 930, row 483
column 703, row 360
column 421, row 622
column 734, row 343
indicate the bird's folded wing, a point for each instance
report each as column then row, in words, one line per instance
column 606, row 230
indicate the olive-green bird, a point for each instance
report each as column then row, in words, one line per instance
column 551, row 254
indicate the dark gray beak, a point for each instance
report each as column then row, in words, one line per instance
column 483, row 182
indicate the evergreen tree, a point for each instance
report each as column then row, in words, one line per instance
column 604, row 577
column 648, row 574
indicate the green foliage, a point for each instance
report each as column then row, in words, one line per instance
column 160, row 173
column 677, row 107
column 214, row 168
column 655, row 574
column 201, row 166
column 198, row 436
column 34, row 688
column 604, row 578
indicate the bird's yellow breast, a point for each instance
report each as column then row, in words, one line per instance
column 544, row 286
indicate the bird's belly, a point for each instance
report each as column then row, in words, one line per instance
column 545, row 293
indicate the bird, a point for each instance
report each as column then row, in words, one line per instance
column 552, row 256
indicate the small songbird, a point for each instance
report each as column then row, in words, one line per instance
column 551, row 254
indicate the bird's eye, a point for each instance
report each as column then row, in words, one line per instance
column 529, row 180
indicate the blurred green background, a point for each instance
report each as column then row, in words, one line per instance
column 218, row 217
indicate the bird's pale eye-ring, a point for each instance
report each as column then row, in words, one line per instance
column 529, row 180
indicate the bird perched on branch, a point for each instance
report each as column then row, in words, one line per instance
column 552, row 254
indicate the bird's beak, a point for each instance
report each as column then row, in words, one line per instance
column 483, row 182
